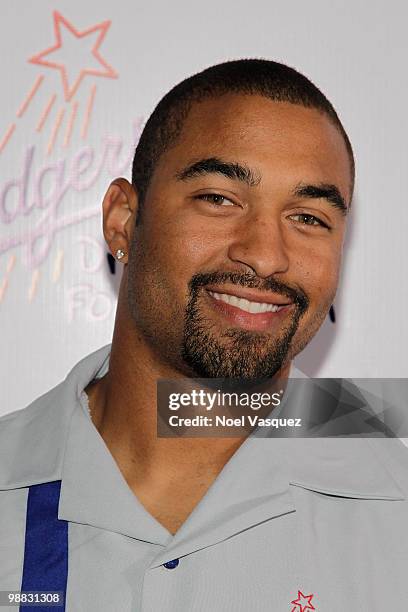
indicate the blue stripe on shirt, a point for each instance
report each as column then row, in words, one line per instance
column 46, row 545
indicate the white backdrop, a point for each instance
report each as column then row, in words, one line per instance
column 78, row 80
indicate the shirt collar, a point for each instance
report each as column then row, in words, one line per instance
column 94, row 491
column 55, row 440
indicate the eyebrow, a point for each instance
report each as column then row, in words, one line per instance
column 241, row 172
column 324, row 191
column 214, row 165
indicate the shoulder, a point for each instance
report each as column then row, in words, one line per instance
column 32, row 440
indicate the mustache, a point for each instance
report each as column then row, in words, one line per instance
column 295, row 294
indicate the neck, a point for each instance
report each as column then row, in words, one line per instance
column 123, row 409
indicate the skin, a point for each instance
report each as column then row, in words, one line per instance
column 256, row 233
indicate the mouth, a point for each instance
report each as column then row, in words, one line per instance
column 248, row 309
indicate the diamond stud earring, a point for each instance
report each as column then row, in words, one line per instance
column 119, row 254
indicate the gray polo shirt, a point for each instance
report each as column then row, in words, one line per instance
column 289, row 525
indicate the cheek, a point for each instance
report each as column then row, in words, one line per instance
column 177, row 249
column 317, row 272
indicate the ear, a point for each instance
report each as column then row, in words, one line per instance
column 119, row 211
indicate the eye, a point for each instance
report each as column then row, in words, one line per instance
column 306, row 219
column 216, row 199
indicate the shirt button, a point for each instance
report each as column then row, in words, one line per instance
column 171, row 564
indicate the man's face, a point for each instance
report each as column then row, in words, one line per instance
column 236, row 261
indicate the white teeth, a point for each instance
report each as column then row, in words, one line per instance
column 252, row 307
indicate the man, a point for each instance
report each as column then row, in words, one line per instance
column 231, row 237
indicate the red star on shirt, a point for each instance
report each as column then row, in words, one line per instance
column 300, row 601
column 93, row 63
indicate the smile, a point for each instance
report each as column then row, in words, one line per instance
column 246, row 305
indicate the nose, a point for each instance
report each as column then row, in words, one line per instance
column 259, row 244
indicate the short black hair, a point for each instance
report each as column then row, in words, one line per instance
column 245, row 76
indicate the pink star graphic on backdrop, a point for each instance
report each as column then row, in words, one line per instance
column 104, row 70
column 300, row 601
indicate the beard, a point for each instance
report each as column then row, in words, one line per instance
column 237, row 353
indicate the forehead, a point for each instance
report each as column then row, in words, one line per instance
column 266, row 134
